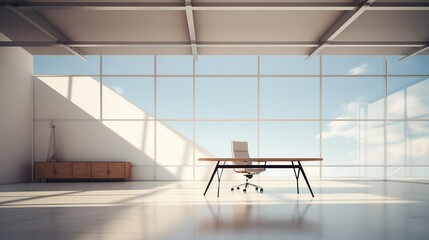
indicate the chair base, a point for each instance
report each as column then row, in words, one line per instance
column 246, row 185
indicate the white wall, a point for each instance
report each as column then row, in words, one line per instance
column 74, row 105
column 16, row 104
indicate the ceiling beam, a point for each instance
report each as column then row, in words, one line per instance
column 398, row 8
column 377, row 44
column 46, row 28
column 422, row 49
column 339, row 26
column 191, row 28
column 313, row 7
column 90, row 44
column 215, row 6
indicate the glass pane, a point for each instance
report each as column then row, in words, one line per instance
column 283, row 98
column 417, row 102
column 57, row 97
column 417, row 143
column 353, row 143
column 409, row 173
column 289, row 139
column 415, row 65
column 408, row 143
column 213, row 139
column 353, row 98
column 66, row 65
column 132, row 141
column 353, row 65
column 396, row 89
column 128, row 97
column 174, row 143
column 181, row 173
column 128, row 65
column 407, row 96
column 174, row 98
column 174, row 65
column 224, row 65
column 226, row 98
column 396, row 143
column 292, row 65
column 353, row 172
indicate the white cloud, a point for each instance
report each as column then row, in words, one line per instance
column 344, row 129
column 359, row 69
column 416, row 100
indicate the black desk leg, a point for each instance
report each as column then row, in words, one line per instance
column 305, row 177
column 219, row 176
column 218, row 185
column 211, row 178
column 297, row 177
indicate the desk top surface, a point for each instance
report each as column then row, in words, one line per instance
column 260, row 159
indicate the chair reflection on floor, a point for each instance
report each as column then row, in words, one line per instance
column 250, row 217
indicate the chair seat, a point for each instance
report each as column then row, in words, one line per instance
column 255, row 170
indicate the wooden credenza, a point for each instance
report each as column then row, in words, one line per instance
column 82, row 170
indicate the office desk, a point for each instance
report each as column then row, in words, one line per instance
column 266, row 164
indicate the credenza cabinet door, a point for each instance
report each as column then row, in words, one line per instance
column 99, row 170
column 43, row 170
column 116, row 170
column 63, row 170
column 81, row 170
column 127, row 170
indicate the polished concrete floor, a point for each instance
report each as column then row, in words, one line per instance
column 177, row 210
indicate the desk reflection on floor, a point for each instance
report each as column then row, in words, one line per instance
column 256, row 218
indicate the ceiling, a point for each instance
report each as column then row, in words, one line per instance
column 201, row 27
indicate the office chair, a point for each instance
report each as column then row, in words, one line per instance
column 240, row 150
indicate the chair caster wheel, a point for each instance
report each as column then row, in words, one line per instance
column 244, row 190
column 261, row 190
column 232, row 189
column 238, row 188
column 256, row 188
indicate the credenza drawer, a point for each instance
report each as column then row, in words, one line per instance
column 82, row 170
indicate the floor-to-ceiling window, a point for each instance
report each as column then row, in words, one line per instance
column 367, row 116
column 352, row 114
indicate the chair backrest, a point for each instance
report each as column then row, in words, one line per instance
column 240, row 150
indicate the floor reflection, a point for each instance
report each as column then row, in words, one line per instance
column 352, row 210
column 245, row 217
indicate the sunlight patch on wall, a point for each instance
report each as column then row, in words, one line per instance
column 116, row 106
column 82, row 98
column 60, row 84
column 78, row 90
column 137, row 133
column 172, row 147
